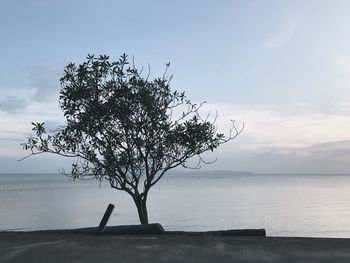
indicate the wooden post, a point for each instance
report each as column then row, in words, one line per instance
column 105, row 218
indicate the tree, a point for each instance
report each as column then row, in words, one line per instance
column 122, row 127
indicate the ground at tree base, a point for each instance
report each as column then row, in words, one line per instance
column 62, row 247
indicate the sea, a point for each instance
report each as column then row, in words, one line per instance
column 304, row 205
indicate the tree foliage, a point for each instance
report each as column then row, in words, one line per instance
column 125, row 128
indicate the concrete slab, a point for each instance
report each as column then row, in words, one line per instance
column 61, row 247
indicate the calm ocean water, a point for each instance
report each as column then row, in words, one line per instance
column 285, row 205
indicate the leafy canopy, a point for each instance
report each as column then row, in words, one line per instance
column 122, row 127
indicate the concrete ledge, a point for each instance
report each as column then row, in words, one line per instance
column 232, row 232
column 154, row 229
column 61, row 248
column 149, row 229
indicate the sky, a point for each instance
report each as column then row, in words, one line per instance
column 280, row 67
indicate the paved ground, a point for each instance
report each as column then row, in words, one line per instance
column 56, row 247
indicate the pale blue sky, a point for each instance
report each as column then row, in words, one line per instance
column 282, row 67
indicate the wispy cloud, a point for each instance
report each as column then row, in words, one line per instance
column 333, row 149
column 11, row 139
column 272, row 126
column 274, row 140
column 288, row 28
column 44, row 87
column 13, row 132
column 12, row 104
column 45, row 82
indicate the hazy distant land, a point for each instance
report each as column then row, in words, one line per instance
column 208, row 172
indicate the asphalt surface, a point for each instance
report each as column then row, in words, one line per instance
column 62, row 247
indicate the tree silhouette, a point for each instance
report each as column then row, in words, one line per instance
column 122, row 127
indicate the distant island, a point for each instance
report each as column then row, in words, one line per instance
column 209, row 172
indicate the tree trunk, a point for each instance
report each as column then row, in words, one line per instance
column 141, row 209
